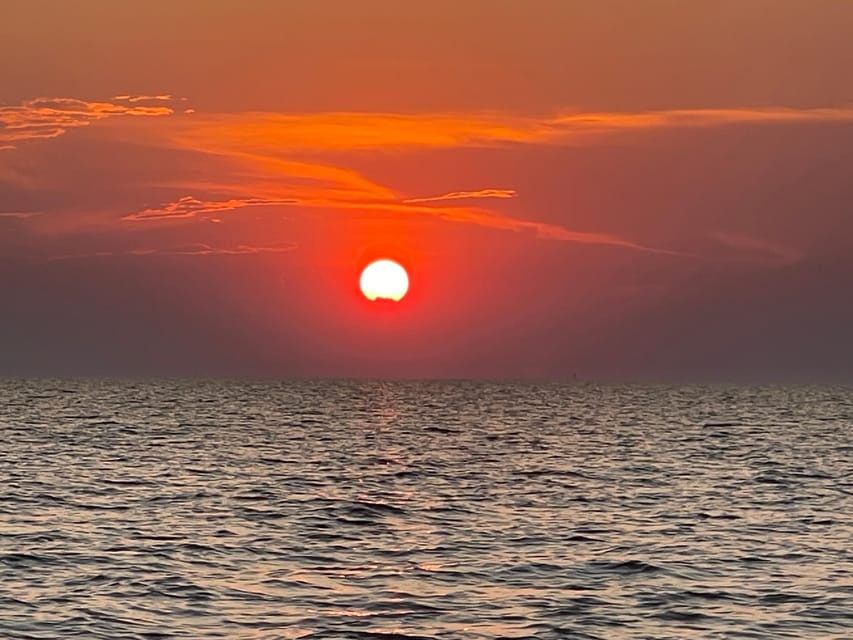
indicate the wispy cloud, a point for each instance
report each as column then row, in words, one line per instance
column 164, row 97
column 190, row 206
column 458, row 214
column 184, row 250
column 277, row 159
column 261, row 131
column 264, row 146
column 482, row 217
column 18, row 215
column 207, row 250
column 758, row 249
column 261, row 176
column 318, row 132
column 52, row 117
column 568, row 123
column 466, row 195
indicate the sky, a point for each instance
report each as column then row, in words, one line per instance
column 650, row 190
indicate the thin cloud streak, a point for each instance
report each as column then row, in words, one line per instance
column 543, row 230
column 686, row 118
column 186, row 250
column 260, row 132
column 190, row 206
column 759, row 250
column 466, row 195
column 165, row 97
column 18, row 215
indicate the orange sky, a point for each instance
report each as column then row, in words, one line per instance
column 653, row 190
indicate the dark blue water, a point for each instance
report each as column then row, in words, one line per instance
column 424, row 510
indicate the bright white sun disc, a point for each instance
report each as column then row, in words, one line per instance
column 384, row 279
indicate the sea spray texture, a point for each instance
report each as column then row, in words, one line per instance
column 424, row 509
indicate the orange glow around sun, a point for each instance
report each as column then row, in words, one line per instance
column 384, row 280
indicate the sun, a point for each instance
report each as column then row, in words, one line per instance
column 384, row 280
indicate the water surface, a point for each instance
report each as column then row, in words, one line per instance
column 214, row 509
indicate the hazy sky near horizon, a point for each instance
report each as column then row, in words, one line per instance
column 625, row 189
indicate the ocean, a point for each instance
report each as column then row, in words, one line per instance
column 395, row 510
